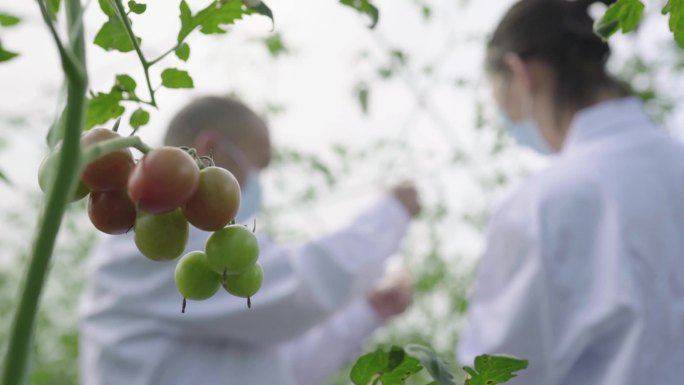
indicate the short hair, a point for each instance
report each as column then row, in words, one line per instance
column 225, row 114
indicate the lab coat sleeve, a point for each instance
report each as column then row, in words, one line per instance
column 303, row 285
column 324, row 350
column 507, row 310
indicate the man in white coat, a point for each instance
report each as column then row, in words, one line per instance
column 316, row 305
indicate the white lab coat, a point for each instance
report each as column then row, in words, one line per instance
column 584, row 269
column 133, row 333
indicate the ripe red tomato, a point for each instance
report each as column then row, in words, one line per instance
column 111, row 212
column 216, row 201
column 110, row 172
column 163, row 180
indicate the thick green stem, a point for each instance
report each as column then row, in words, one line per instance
column 15, row 368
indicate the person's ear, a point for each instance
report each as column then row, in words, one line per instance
column 206, row 142
column 519, row 70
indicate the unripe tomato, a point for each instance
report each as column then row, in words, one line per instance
column 195, row 280
column 111, row 171
column 47, row 170
column 111, row 212
column 216, row 201
column 163, row 180
column 247, row 284
column 232, row 250
column 161, row 237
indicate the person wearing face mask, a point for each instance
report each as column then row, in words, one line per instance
column 318, row 302
column 583, row 273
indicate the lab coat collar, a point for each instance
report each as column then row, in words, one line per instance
column 605, row 119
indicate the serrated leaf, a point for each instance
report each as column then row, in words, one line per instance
column 137, row 8
column 435, row 365
column 112, row 35
column 6, row 55
column 623, row 15
column 126, row 83
column 175, row 78
column 139, row 118
column 215, row 17
column 365, row 7
column 7, row 20
column 186, row 21
column 676, row 23
column 103, row 107
column 183, row 52
column 492, row 370
column 368, row 366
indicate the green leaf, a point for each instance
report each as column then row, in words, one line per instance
column 275, row 45
column 369, row 366
column 126, row 83
column 112, row 35
column 183, row 51
column 676, row 11
column 365, row 7
column 263, row 9
column 436, row 366
column 212, row 19
column 7, row 20
column 175, row 78
column 6, row 55
column 186, row 21
column 138, row 8
column 389, row 368
column 139, row 118
column 623, row 15
column 492, row 370
column 53, row 7
column 103, row 107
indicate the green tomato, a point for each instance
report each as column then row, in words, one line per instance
column 161, row 237
column 195, row 280
column 247, row 284
column 232, row 250
column 47, row 170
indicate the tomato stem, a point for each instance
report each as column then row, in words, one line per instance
column 15, row 369
column 185, row 302
column 108, row 146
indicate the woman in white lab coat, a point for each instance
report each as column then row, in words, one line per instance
column 584, row 268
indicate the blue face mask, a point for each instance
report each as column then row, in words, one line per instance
column 526, row 133
column 250, row 197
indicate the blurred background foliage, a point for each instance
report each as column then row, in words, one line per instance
column 460, row 182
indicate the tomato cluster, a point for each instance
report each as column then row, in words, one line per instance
column 158, row 197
